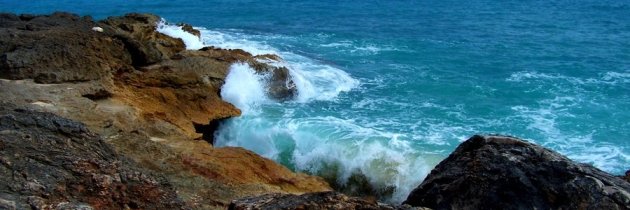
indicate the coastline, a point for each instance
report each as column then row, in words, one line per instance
column 149, row 98
column 144, row 95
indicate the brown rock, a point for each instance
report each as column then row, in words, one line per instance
column 188, row 28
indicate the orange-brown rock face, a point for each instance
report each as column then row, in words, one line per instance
column 147, row 97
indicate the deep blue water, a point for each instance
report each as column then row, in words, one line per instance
column 390, row 88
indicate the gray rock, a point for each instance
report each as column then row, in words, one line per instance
column 7, row 204
column 496, row 172
column 49, row 162
column 320, row 200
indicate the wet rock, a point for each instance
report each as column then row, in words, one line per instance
column 189, row 28
column 497, row 172
column 626, row 176
column 52, row 162
column 280, row 86
column 321, row 200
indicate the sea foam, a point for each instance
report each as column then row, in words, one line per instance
column 335, row 148
column 244, row 88
column 191, row 41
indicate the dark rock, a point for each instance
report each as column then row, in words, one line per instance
column 320, row 200
column 144, row 43
column 496, row 172
column 280, row 85
column 626, row 176
column 49, row 162
column 207, row 130
column 57, row 48
column 98, row 94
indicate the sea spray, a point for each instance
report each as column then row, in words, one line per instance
column 355, row 159
column 191, row 41
column 244, row 88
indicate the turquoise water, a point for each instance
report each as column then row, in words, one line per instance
column 390, row 88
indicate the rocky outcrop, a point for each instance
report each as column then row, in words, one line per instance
column 146, row 96
column 57, row 48
column 321, row 200
column 48, row 162
column 144, row 44
column 496, row 172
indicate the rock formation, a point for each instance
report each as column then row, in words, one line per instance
column 321, row 200
column 496, row 172
column 146, row 96
column 48, row 162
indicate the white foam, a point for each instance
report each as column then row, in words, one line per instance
column 320, row 82
column 623, row 77
column 191, row 41
column 314, row 81
column 244, row 88
column 545, row 118
column 234, row 41
column 319, row 142
column 608, row 78
column 311, row 143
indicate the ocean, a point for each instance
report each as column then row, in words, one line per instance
column 387, row 89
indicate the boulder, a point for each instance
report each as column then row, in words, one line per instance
column 319, row 200
column 498, row 172
column 49, row 162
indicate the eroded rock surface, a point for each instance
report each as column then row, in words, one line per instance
column 496, row 172
column 49, row 162
column 57, row 48
column 321, row 200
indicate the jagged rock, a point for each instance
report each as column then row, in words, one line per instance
column 320, row 200
column 144, row 43
column 49, row 162
column 496, row 172
column 57, row 48
column 188, row 28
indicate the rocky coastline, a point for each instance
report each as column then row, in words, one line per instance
column 113, row 114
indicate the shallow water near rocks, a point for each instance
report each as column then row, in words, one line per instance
column 389, row 89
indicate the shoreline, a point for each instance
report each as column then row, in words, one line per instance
column 152, row 100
